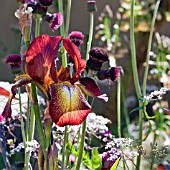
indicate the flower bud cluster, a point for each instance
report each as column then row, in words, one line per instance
column 39, row 8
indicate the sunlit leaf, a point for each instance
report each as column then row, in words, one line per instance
column 96, row 159
column 114, row 167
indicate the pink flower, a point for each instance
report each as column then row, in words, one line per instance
column 55, row 20
column 1, row 118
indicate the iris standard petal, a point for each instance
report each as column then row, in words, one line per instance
column 75, row 55
column 68, row 106
column 41, row 57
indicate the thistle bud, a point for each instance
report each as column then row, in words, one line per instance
column 55, row 20
column 91, row 6
column 77, row 38
column 97, row 56
column 113, row 73
column 46, row 2
column 14, row 61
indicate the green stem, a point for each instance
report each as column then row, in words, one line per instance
column 136, row 78
column 60, row 6
column 32, row 125
column 133, row 51
column 37, row 25
column 149, row 47
column 68, row 17
column 38, row 120
column 27, row 154
column 90, row 35
column 28, row 119
column 36, row 111
column 118, row 108
column 64, row 147
column 81, row 145
column 125, row 112
column 21, row 118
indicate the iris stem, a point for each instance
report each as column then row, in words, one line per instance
column 38, row 120
column 28, row 119
column 36, row 110
column 118, row 108
column 64, row 147
column 83, row 134
column 26, row 163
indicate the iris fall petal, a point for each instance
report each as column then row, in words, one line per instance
column 68, row 106
column 89, row 87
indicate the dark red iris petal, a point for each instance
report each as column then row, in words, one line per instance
column 41, row 57
column 89, row 86
column 74, row 53
column 68, row 106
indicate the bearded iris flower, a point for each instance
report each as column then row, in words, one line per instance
column 67, row 104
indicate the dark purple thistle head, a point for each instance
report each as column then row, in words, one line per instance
column 91, row 6
column 40, row 9
column 77, row 38
column 109, row 158
column 46, row 2
column 113, row 73
column 55, row 20
column 14, row 60
column 97, row 56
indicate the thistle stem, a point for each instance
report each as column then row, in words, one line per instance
column 118, row 108
column 90, row 35
column 68, row 17
column 64, row 33
column 148, row 55
column 81, row 145
column 60, row 6
column 136, row 78
column 149, row 46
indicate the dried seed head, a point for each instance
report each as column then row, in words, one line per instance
column 91, row 6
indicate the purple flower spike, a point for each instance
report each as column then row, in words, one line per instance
column 55, row 20
column 14, row 60
column 97, row 57
column 76, row 37
column 46, row 2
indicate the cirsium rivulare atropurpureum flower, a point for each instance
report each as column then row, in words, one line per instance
column 67, row 104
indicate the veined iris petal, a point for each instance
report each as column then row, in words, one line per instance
column 68, row 106
column 41, row 57
column 74, row 53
